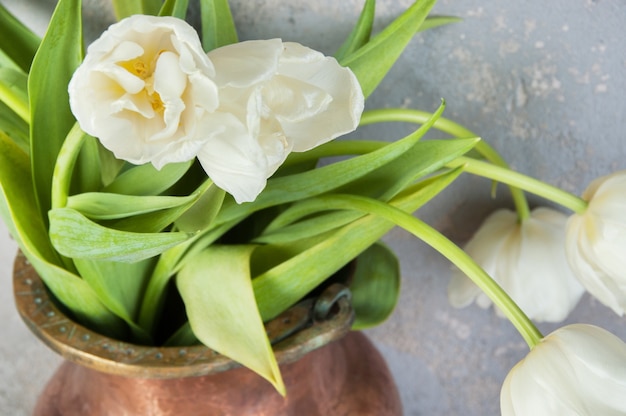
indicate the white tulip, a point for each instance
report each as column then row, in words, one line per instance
column 145, row 89
column 528, row 261
column 276, row 98
column 596, row 241
column 576, row 370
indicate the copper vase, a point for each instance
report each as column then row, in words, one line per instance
column 328, row 370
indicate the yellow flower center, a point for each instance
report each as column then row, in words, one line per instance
column 139, row 68
column 136, row 67
column 156, row 102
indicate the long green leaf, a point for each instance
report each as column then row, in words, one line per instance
column 64, row 166
column 147, row 180
column 420, row 160
column 51, row 119
column 216, row 288
column 87, row 176
column 20, row 214
column 106, row 206
column 371, row 62
column 385, row 182
column 218, row 27
column 202, row 213
column 168, row 264
column 110, row 166
column 16, row 40
column 120, row 287
column 73, row 235
column 317, row 221
column 283, row 285
column 361, row 32
column 147, row 220
column 15, row 127
column 432, row 22
column 13, row 86
column 176, row 8
column 310, row 227
column 125, row 8
column 375, row 286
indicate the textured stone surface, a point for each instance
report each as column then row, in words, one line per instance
column 542, row 81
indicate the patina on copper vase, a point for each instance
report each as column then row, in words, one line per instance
column 328, row 370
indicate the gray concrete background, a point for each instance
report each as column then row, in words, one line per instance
column 543, row 81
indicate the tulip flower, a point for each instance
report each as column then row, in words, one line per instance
column 527, row 259
column 275, row 97
column 576, row 370
column 146, row 90
column 596, row 241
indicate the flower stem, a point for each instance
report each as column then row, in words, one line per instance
column 521, row 181
column 64, row 167
column 448, row 249
column 15, row 101
column 456, row 130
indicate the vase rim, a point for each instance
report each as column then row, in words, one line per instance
column 81, row 345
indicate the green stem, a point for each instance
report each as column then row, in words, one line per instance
column 15, row 101
column 454, row 129
column 521, row 181
column 64, row 167
column 62, row 175
column 448, row 249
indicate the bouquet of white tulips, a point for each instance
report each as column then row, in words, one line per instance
column 170, row 160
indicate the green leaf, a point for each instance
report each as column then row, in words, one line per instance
column 13, row 86
column 420, row 160
column 147, row 220
column 168, row 264
column 371, row 62
column 216, row 288
column 147, row 180
column 176, row 8
column 202, row 213
column 119, row 286
column 106, row 206
column 86, row 175
column 19, row 212
column 64, row 167
column 15, row 128
column 283, row 285
column 16, row 40
column 310, row 227
column 385, row 182
column 51, row 119
column 110, row 166
column 432, row 22
column 125, row 8
column 218, row 27
column 183, row 337
column 375, row 286
column 361, row 32
column 75, row 236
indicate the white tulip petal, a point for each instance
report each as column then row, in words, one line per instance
column 169, row 79
column 203, row 93
column 343, row 113
column 576, row 370
column 527, row 260
column 313, row 102
column 143, row 88
column 294, row 101
column 245, row 64
column 597, row 241
column 233, row 160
